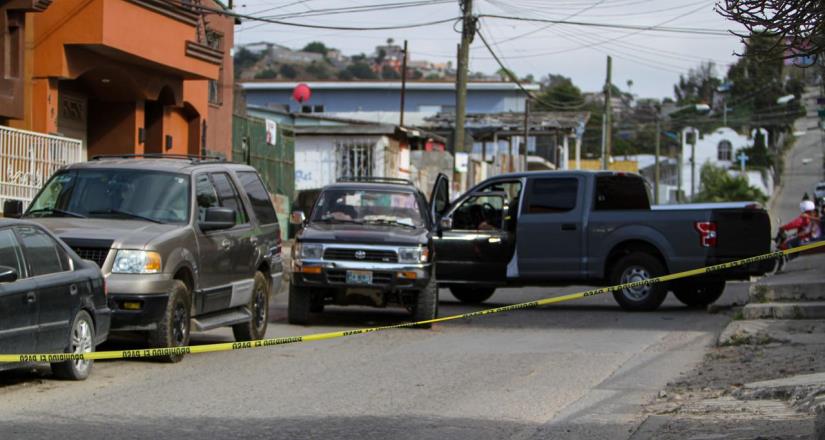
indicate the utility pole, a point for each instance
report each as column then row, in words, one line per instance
column 656, row 161
column 468, row 30
column 523, row 153
column 606, row 135
column 403, row 84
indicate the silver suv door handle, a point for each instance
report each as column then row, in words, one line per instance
column 31, row 297
column 73, row 289
column 226, row 243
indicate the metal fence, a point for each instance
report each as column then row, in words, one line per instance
column 28, row 159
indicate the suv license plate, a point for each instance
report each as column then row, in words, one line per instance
column 359, row 277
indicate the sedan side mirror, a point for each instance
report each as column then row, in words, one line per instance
column 7, row 274
column 446, row 223
column 217, row 218
column 297, row 218
column 13, row 208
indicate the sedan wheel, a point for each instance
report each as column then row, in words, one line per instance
column 81, row 341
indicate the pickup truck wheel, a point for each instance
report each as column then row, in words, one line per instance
column 638, row 266
column 426, row 304
column 472, row 295
column 698, row 294
column 81, row 340
column 300, row 302
column 255, row 328
column 173, row 329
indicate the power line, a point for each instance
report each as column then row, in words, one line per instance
column 654, row 28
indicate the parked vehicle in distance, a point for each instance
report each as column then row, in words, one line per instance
column 182, row 241
column 51, row 301
column 582, row 227
column 368, row 241
column 819, row 193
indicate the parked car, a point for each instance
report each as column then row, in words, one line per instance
column 819, row 193
column 581, row 227
column 182, row 241
column 51, row 301
column 368, row 241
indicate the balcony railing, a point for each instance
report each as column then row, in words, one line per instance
column 28, row 159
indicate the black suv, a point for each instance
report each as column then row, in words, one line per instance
column 368, row 241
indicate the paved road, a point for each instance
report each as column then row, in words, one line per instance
column 576, row 370
column 803, row 164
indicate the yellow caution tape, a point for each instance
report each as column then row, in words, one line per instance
column 229, row 346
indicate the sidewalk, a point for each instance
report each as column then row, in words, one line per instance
column 764, row 379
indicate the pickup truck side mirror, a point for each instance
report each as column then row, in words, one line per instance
column 446, row 223
column 13, row 208
column 297, row 218
column 7, row 274
column 217, row 218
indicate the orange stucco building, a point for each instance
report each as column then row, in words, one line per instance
column 124, row 76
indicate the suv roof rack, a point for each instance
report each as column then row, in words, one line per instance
column 193, row 158
column 365, row 179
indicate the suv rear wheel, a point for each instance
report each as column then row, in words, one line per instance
column 255, row 328
column 173, row 329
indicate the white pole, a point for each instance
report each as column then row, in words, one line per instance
column 565, row 155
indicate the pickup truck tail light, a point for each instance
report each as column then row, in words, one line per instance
column 707, row 233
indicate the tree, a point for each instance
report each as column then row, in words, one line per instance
column 319, row 70
column 561, row 94
column 316, row 47
column 505, row 74
column 387, row 72
column 798, row 24
column 287, row 71
column 719, row 186
column 698, row 86
column 361, row 70
column 244, row 58
column 266, row 74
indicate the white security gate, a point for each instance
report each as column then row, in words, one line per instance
column 28, row 159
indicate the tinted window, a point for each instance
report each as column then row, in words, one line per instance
column 42, row 252
column 116, row 194
column 205, row 195
column 620, row 192
column 552, row 195
column 261, row 203
column 10, row 255
column 228, row 196
column 479, row 213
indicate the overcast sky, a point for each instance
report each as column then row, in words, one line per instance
column 652, row 60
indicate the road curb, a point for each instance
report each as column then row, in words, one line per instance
column 786, row 291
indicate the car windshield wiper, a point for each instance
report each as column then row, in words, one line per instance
column 385, row 221
column 55, row 211
column 340, row 220
column 128, row 214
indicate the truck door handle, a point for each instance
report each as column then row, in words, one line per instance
column 73, row 289
column 226, row 243
column 494, row 240
column 568, row 227
column 31, row 297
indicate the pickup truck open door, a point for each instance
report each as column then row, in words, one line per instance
column 474, row 243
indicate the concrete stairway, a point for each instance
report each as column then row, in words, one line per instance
column 798, row 292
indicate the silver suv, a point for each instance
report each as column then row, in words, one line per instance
column 181, row 241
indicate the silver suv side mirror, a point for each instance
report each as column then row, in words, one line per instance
column 297, row 218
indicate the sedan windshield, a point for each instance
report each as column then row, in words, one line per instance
column 117, row 194
column 368, row 206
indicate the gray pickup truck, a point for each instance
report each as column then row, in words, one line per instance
column 581, row 227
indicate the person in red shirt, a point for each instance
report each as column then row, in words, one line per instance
column 807, row 225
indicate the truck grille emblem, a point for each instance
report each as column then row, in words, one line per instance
column 360, row 255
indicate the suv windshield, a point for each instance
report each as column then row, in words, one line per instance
column 117, row 194
column 368, row 206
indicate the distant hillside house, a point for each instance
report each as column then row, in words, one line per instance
column 379, row 101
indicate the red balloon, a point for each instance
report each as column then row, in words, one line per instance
column 301, row 93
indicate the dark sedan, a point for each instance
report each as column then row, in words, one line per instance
column 51, row 301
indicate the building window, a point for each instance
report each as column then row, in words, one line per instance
column 214, row 39
column 306, row 109
column 725, row 151
column 354, row 159
column 318, row 109
column 215, row 89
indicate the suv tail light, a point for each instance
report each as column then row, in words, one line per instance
column 707, row 233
